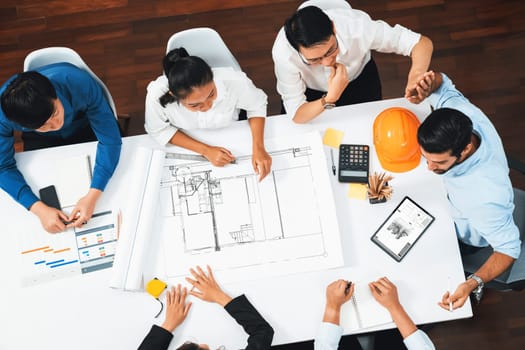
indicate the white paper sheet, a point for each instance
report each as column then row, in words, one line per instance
column 73, row 179
column 363, row 311
column 45, row 257
column 245, row 229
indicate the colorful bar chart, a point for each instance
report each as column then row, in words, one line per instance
column 46, row 257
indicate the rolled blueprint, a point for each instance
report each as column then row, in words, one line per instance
column 140, row 212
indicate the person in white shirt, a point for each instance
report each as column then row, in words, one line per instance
column 385, row 292
column 192, row 95
column 323, row 59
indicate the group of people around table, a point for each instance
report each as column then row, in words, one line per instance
column 322, row 59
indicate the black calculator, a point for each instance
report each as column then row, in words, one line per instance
column 353, row 163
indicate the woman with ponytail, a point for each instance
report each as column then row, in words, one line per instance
column 192, row 95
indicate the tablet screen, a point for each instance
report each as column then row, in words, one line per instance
column 403, row 227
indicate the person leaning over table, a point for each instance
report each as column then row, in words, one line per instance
column 192, row 95
column 58, row 104
column 260, row 333
column 385, row 292
column 322, row 58
column 461, row 144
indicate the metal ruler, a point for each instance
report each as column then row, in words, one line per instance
column 185, row 156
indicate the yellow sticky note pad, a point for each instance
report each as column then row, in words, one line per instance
column 357, row 191
column 333, row 137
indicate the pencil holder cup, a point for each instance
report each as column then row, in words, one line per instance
column 379, row 191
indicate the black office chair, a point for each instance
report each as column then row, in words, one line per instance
column 514, row 277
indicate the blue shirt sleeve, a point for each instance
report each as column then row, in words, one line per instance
column 418, row 340
column 88, row 96
column 328, row 336
column 482, row 194
column 83, row 94
column 11, row 180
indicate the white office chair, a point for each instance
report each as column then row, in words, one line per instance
column 326, row 4
column 205, row 43
column 50, row 55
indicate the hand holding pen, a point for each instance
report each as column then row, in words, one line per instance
column 337, row 293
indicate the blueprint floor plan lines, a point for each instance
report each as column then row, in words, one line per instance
column 228, row 219
column 261, row 211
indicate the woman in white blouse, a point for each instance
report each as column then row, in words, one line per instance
column 192, row 95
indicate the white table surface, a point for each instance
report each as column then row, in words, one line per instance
column 84, row 313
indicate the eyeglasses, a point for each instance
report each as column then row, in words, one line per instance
column 330, row 52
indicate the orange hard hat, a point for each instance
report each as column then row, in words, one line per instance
column 395, row 139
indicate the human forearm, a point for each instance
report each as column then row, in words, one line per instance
column 182, row 140
column 332, row 314
column 308, row 111
column 495, row 265
column 260, row 333
column 106, row 161
column 257, row 129
column 421, row 55
column 403, row 322
column 12, row 181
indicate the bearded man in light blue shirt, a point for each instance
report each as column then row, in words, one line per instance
column 461, row 144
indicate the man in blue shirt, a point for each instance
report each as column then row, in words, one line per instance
column 460, row 143
column 55, row 105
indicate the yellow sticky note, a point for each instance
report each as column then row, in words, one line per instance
column 357, row 191
column 333, row 137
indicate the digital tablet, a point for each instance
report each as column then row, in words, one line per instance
column 403, row 227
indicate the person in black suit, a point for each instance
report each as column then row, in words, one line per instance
column 260, row 333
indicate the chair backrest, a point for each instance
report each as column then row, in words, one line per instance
column 205, row 43
column 50, row 55
column 517, row 272
column 326, row 4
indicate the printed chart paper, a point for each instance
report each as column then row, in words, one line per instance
column 46, row 257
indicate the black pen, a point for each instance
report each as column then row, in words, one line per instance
column 347, row 289
column 333, row 163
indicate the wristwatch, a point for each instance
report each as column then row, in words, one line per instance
column 478, row 291
column 327, row 105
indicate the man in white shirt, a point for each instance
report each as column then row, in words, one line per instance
column 323, row 59
column 385, row 292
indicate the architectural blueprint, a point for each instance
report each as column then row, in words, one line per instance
column 226, row 218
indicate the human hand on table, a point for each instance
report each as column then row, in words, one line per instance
column 51, row 219
column 261, row 162
column 457, row 298
column 207, row 288
column 385, row 293
column 176, row 308
column 84, row 208
column 218, row 156
column 337, row 293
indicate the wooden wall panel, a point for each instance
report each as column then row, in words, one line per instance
column 479, row 43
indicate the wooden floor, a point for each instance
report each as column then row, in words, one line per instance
column 479, row 43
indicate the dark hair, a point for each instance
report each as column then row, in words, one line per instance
column 189, row 346
column 445, row 129
column 28, row 100
column 308, row 27
column 184, row 72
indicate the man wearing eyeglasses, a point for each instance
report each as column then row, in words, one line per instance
column 323, row 59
